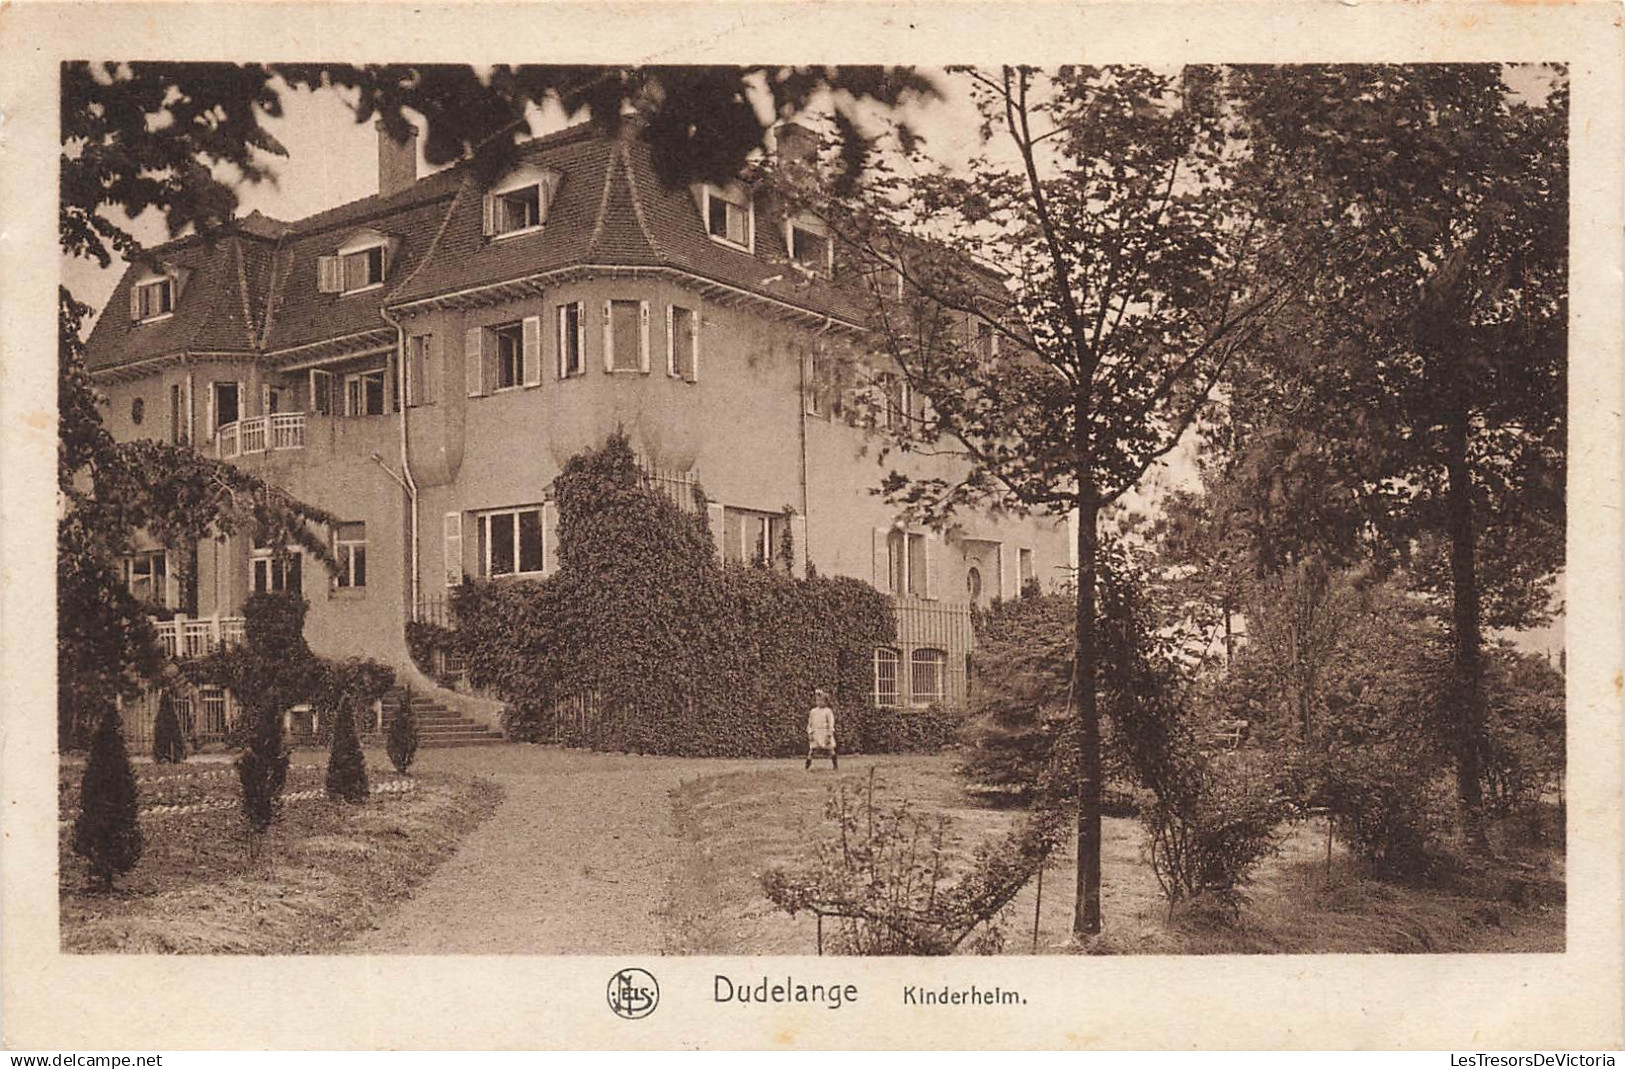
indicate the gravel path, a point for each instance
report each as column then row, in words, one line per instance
column 574, row 861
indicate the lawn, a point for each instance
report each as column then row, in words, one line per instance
column 323, row 872
column 736, row 826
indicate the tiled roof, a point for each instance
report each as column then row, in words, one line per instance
column 255, row 287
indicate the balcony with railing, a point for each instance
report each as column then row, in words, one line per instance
column 184, row 639
column 261, row 434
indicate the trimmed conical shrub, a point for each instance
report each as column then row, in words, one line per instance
column 262, row 769
column 346, row 768
column 107, row 832
column 168, row 741
column 402, row 742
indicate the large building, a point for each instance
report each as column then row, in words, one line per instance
column 422, row 363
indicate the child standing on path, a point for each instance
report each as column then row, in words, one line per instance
column 821, row 730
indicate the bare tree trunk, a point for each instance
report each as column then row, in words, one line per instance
column 1468, row 673
column 1086, row 910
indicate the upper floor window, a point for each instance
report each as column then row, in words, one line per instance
column 730, row 216
column 572, row 339
column 510, row 541
column 146, row 577
column 503, row 357
column 987, row 340
column 152, row 299
column 364, row 393
column 755, row 538
column 510, row 355
column 810, row 246
column 682, row 343
column 906, row 564
column 362, row 263
column 626, row 335
column 274, row 576
column 350, row 550
column 518, row 204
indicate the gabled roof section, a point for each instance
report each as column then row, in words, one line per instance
column 213, row 313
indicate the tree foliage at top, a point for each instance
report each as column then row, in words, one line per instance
column 178, row 138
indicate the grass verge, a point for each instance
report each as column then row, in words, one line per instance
column 323, row 872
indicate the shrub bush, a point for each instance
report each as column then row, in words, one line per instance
column 423, row 639
column 679, row 654
column 168, row 741
column 107, row 832
column 346, row 767
column 891, row 730
column 402, row 741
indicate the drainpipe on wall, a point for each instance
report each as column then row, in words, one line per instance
column 409, row 484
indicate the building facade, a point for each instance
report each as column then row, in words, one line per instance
column 421, row 363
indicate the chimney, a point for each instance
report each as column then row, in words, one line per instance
column 795, row 145
column 397, row 161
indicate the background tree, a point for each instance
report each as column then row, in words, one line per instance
column 1128, row 280
column 1444, row 327
column 107, row 832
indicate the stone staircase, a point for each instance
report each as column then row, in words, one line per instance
column 437, row 725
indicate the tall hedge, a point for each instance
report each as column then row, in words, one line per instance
column 685, row 655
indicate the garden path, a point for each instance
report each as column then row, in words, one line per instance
column 574, row 861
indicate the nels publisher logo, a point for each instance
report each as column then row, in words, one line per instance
column 633, row 993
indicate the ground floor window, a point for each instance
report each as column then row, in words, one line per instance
column 213, row 700
column 350, row 549
column 887, row 665
column 928, row 670
column 510, row 541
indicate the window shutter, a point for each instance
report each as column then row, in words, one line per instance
column 208, row 414
column 643, row 336
column 563, row 342
column 532, row 329
column 717, row 517
column 798, row 535
column 392, row 249
column 489, row 223
column 135, row 301
column 694, row 347
column 452, row 529
column 265, row 398
column 329, row 274
column 671, row 344
column 581, row 335
column 882, row 571
column 933, row 561
column 187, row 428
column 609, row 338
column 550, row 538
column 474, row 360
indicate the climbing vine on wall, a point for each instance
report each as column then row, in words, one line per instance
column 656, row 645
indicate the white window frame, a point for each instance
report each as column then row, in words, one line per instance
column 259, row 556
column 773, row 529
column 482, row 539
column 693, row 342
column 544, row 182
column 609, row 338
column 737, row 197
column 562, row 318
column 358, row 377
column 344, row 553
column 896, row 694
column 346, row 254
column 160, row 591
column 817, row 229
column 498, row 332
column 915, row 699
column 162, row 283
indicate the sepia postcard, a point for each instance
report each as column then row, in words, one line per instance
column 762, row 525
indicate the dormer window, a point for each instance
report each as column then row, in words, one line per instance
column 518, row 204
column 156, row 292
column 810, row 246
column 362, row 263
column 730, row 217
